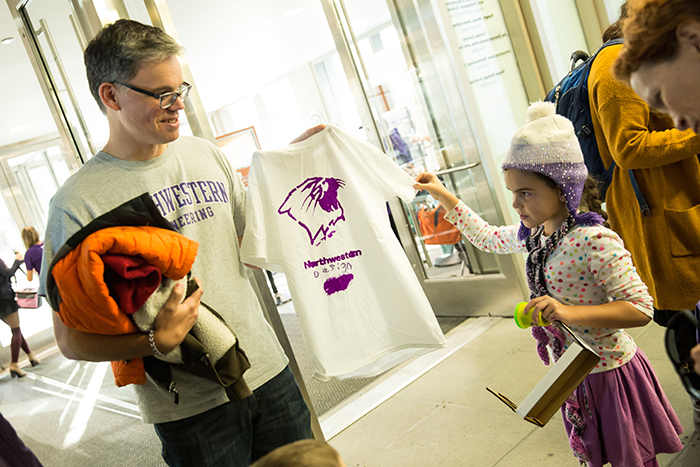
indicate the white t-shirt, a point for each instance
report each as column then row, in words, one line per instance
column 316, row 210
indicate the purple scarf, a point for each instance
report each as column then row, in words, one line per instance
column 553, row 335
column 581, row 218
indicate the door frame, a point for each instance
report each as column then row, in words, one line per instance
column 74, row 155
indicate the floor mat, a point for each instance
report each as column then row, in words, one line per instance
column 326, row 394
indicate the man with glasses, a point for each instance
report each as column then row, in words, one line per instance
column 137, row 81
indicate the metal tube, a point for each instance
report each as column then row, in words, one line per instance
column 78, row 32
column 457, row 169
column 66, row 83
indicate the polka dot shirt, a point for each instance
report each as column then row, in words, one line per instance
column 589, row 266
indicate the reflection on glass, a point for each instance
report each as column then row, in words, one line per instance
column 337, row 96
column 444, row 251
column 60, row 169
column 411, row 108
column 394, row 98
column 10, row 239
column 39, row 174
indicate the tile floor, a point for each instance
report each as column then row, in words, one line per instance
column 71, row 414
column 447, row 418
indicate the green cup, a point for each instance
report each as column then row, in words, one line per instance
column 524, row 320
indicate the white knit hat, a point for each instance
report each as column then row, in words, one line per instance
column 547, row 144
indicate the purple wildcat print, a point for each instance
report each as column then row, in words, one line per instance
column 337, row 284
column 314, row 205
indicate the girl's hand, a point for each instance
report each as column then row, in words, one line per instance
column 551, row 310
column 431, row 183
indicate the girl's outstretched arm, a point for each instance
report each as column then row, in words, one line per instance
column 502, row 240
column 617, row 314
column 429, row 182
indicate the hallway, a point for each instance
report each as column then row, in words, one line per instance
column 71, row 414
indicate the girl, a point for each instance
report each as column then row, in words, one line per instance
column 35, row 250
column 578, row 273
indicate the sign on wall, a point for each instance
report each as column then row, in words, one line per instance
column 487, row 54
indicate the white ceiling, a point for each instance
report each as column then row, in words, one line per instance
column 233, row 47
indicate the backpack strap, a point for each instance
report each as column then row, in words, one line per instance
column 643, row 206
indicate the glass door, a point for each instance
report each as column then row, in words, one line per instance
column 11, row 241
column 38, row 175
column 53, row 30
column 415, row 102
column 27, row 182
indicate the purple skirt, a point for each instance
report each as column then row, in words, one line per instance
column 628, row 417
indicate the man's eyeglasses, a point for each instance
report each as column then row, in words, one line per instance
column 679, row 342
column 165, row 100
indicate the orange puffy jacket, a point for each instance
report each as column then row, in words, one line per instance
column 86, row 304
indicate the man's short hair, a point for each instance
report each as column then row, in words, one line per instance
column 120, row 49
column 304, row 453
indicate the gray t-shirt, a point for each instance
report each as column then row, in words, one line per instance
column 195, row 188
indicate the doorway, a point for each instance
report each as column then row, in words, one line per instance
column 28, row 181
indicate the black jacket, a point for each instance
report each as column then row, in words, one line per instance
column 228, row 371
column 5, row 276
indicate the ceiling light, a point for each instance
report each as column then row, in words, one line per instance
column 18, row 128
column 7, row 40
column 298, row 11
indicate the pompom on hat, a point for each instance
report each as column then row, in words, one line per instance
column 547, row 144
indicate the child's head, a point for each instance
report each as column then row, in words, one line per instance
column 30, row 236
column 547, row 146
column 305, row 453
column 537, row 199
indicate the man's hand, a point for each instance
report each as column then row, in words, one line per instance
column 308, row 133
column 176, row 319
column 695, row 355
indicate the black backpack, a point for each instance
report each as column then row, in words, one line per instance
column 570, row 96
